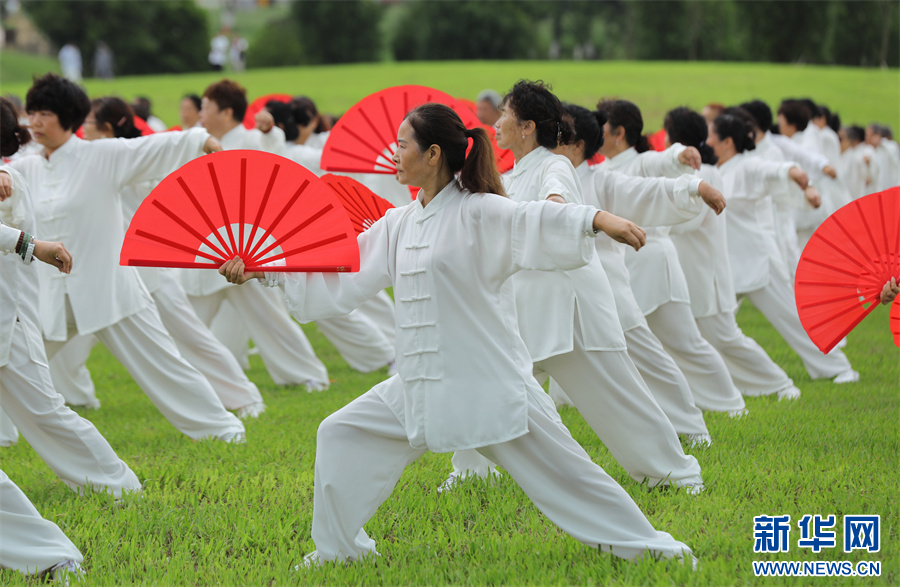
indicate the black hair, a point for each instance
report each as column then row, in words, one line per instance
column 737, row 124
column 796, row 112
column 195, row 99
column 689, row 128
column 284, row 119
column 834, row 121
column 760, row 112
column 535, row 102
column 438, row 124
column 307, row 103
column 227, row 93
column 303, row 110
column 60, row 96
column 116, row 113
column 142, row 107
column 12, row 134
column 625, row 114
column 886, row 131
column 587, row 126
column 856, row 134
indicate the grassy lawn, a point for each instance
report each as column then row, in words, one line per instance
column 240, row 515
column 859, row 95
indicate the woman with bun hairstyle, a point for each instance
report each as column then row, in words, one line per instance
column 578, row 339
column 713, row 301
column 649, row 202
column 657, row 280
column 759, row 271
column 465, row 375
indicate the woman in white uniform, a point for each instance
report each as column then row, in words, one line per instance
column 69, row 444
column 465, row 377
column 578, row 339
column 648, row 202
column 713, row 301
column 657, row 280
column 76, row 186
column 759, row 271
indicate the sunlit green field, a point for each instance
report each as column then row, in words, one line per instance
column 859, row 95
column 240, row 515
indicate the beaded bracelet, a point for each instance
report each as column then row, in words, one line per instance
column 22, row 245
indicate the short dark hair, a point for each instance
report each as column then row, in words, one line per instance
column 12, row 136
column 60, row 96
column 534, row 101
column 855, row 133
column 283, row 116
column 796, row 112
column 625, row 114
column 228, row 94
column 760, row 112
column 690, row 129
column 195, row 99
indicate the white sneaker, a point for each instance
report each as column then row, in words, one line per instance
column 455, row 478
column 791, row 393
column 312, row 385
column 234, row 437
column 310, row 561
column 251, row 410
column 694, row 489
column 738, row 414
column 848, row 376
column 699, row 440
column 65, row 570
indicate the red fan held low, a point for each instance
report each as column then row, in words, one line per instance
column 845, row 265
column 273, row 213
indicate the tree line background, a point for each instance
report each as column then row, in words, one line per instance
column 173, row 36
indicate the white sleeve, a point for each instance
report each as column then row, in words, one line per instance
column 9, row 238
column 661, row 163
column 151, row 157
column 807, row 159
column 560, row 179
column 272, row 141
column 650, row 201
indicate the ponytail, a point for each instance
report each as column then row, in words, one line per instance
column 116, row 113
column 642, row 145
column 479, row 171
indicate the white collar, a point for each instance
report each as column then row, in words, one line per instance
column 529, row 161
column 622, row 159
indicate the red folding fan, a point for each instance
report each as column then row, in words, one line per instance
column 260, row 103
column 658, row 140
column 273, row 213
column 845, row 265
column 365, row 138
column 363, row 206
column 470, row 104
column 895, row 320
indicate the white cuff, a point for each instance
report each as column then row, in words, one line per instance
column 272, row 279
column 589, row 223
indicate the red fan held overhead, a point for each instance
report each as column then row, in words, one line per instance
column 363, row 206
column 845, row 265
column 260, row 103
column 268, row 210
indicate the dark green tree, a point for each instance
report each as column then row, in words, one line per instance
column 146, row 37
column 339, row 32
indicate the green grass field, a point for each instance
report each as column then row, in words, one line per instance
column 859, row 95
column 240, row 515
column 216, row 514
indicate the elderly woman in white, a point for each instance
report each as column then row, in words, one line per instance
column 465, row 376
column 577, row 339
column 759, row 271
column 76, row 186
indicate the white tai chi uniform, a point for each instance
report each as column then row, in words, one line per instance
column 648, row 202
column 29, row 543
column 195, row 342
column 702, row 249
column 465, row 377
column 285, row 350
column 758, row 270
column 661, row 290
column 69, row 444
column 853, row 171
column 77, row 201
column 577, row 339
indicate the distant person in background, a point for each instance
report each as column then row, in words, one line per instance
column 70, row 62
column 711, row 110
column 143, row 108
column 218, row 50
column 189, row 111
column 853, row 168
column 488, row 104
column 103, row 61
column 238, row 52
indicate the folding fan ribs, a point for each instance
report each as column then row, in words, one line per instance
column 361, row 203
column 364, row 140
column 845, row 265
column 260, row 103
column 266, row 209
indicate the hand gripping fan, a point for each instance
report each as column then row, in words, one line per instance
column 363, row 206
column 365, row 138
column 845, row 265
column 273, row 213
column 260, row 103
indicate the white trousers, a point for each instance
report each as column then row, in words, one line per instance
column 754, row 373
column 70, row 445
column 674, row 325
column 285, row 350
column 70, row 374
column 362, row 450
column 776, row 302
column 29, row 543
column 607, row 390
column 141, row 343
